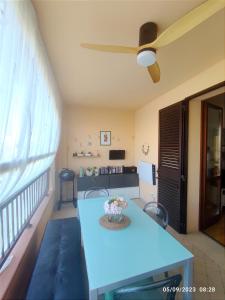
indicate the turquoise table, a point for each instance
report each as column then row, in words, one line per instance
column 118, row 258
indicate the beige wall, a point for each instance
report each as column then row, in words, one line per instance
column 146, row 131
column 81, row 132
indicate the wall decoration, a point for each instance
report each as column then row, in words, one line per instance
column 145, row 149
column 105, row 138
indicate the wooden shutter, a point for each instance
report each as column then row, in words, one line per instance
column 172, row 183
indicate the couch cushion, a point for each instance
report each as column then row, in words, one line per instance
column 59, row 270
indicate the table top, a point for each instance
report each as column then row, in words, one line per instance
column 116, row 256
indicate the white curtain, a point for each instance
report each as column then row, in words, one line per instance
column 30, row 108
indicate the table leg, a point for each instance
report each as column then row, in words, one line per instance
column 93, row 295
column 187, row 278
column 108, row 296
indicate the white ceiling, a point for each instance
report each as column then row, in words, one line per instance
column 115, row 80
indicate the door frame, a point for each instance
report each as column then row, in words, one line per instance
column 203, row 160
column 193, row 97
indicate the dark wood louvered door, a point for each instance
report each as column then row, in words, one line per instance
column 172, row 166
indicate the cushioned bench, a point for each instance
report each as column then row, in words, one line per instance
column 59, row 272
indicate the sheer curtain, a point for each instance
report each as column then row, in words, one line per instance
column 30, row 108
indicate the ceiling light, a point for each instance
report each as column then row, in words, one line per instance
column 146, row 58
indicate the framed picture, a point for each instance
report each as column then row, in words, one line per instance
column 105, row 138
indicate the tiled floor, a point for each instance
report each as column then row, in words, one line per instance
column 209, row 261
column 209, row 264
column 66, row 211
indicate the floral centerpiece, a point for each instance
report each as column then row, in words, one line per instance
column 113, row 209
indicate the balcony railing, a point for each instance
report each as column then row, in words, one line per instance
column 15, row 214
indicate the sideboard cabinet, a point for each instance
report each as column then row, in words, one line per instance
column 126, row 185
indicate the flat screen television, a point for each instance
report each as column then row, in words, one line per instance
column 116, row 154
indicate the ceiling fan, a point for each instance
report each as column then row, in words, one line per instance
column 149, row 42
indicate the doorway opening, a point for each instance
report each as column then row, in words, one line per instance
column 212, row 187
column 191, row 165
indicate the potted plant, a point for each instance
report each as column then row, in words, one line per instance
column 95, row 171
column 89, row 171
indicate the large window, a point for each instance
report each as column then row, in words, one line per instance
column 29, row 102
column 29, row 106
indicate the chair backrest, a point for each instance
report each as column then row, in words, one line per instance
column 158, row 212
column 157, row 290
column 96, row 192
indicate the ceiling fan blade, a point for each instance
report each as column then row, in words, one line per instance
column 154, row 72
column 186, row 23
column 110, row 48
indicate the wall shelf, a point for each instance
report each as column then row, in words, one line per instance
column 86, row 155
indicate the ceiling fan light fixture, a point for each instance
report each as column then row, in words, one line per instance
column 146, row 58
